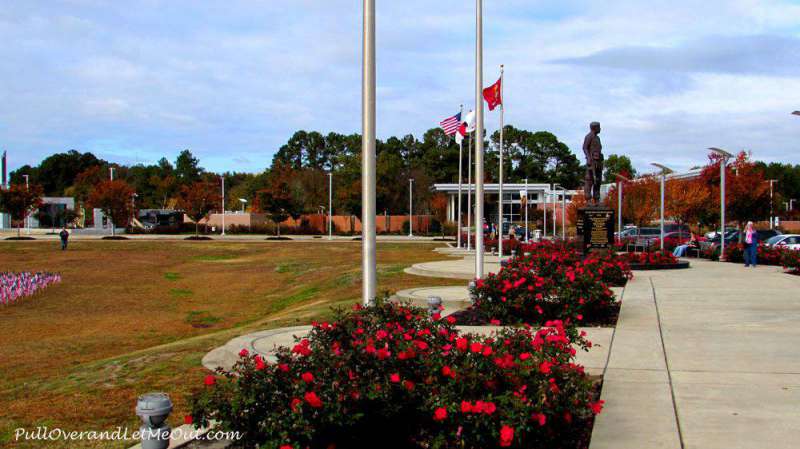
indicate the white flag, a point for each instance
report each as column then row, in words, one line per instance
column 470, row 121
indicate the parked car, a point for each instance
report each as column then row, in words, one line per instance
column 789, row 241
column 766, row 234
column 673, row 239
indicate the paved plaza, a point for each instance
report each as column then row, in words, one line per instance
column 705, row 357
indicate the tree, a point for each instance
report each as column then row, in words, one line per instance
column 115, row 199
column 618, row 165
column 283, row 197
column 197, row 200
column 187, row 170
column 57, row 172
column 687, row 200
column 746, row 189
column 640, row 200
column 19, row 200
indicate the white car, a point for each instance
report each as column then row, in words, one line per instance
column 790, row 241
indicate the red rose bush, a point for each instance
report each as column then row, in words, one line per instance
column 389, row 376
column 652, row 258
column 549, row 282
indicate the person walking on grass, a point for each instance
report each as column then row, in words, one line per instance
column 750, row 246
column 64, row 234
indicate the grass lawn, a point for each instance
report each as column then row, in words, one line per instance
column 137, row 316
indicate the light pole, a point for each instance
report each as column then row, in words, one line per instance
column 544, row 215
column 368, row 205
column 111, row 172
column 620, row 183
column 223, row 205
column 664, row 172
column 244, row 202
column 527, row 234
column 723, row 162
column 554, row 197
column 330, row 205
column 771, row 218
column 563, row 210
column 27, row 213
column 411, row 207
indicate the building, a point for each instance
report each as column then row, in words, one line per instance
column 539, row 196
column 53, row 213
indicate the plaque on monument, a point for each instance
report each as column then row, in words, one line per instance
column 595, row 227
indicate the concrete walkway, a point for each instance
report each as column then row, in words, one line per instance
column 704, row 358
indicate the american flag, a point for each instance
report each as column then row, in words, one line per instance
column 450, row 124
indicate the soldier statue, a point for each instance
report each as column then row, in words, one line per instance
column 593, row 150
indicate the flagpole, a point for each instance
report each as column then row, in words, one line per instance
column 460, row 179
column 469, row 189
column 500, row 221
column 368, row 178
column 479, row 199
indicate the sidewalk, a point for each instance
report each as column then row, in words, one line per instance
column 704, row 358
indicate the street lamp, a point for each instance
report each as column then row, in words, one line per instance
column 554, row 197
column 223, row 205
column 771, row 189
column 111, row 172
column 620, row 182
column 525, row 196
column 722, row 164
column 368, row 184
column 563, row 211
column 27, row 215
column 664, row 172
column 330, row 205
column 244, row 202
column 411, row 207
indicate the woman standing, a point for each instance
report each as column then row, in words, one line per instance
column 750, row 245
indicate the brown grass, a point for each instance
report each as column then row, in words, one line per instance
column 132, row 317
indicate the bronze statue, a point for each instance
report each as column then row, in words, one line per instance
column 593, row 150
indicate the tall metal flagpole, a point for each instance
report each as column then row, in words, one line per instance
column 500, row 202
column 469, row 190
column 479, row 140
column 330, row 204
column 460, row 180
column 368, row 177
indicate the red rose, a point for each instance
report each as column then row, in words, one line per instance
column 596, row 407
column 394, row 378
column 489, row 408
column 440, row 414
column 448, row 372
column 476, row 347
column 313, row 400
column 540, row 417
column 544, row 368
column 462, row 344
column 287, row 446
column 244, row 353
column 506, row 436
column 466, row 407
column 409, row 385
column 308, row 377
column 283, row 367
column 210, row 380
column 188, row 419
column 295, row 402
column 260, row 365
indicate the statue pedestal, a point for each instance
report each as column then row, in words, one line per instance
column 595, row 227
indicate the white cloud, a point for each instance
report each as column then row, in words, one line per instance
column 157, row 77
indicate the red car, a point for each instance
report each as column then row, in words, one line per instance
column 673, row 239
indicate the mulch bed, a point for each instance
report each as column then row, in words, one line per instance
column 683, row 264
column 475, row 317
column 20, row 238
column 115, row 237
column 198, row 237
column 278, row 238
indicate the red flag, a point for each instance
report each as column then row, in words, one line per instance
column 493, row 96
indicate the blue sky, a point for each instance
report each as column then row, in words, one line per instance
column 136, row 80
